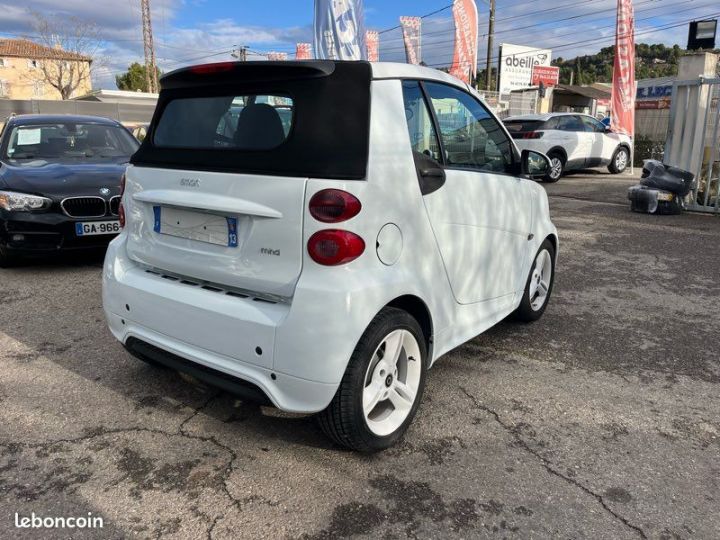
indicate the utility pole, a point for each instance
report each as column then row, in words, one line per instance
column 491, row 32
column 240, row 53
column 151, row 78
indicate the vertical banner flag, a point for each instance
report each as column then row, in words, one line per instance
column 623, row 87
column 303, row 51
column 372, row 42
column 339, row 30
column 464, row 65
column 411, row 36
column 277, row 56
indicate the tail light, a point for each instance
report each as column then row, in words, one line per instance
column 121, row 208
column 332, row 247
column 217, row 67
column 533, row 135
column 334, row 206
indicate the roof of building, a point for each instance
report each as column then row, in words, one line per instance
column 30, row 119
column 24, row 48
column 591, row 92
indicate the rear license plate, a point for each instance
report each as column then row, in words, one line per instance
column 92, row 228
column 199, row 226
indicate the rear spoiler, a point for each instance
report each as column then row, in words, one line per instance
column 246, row 72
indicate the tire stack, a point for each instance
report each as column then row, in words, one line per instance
column 662, row 189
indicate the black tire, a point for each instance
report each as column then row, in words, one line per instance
column 525, row 312
column 556, row 159
column 7, row 260
column 614, row 168
column 343, row 420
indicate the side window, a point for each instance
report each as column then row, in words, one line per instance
column 552, row 123
column 570, row 123
column 592, row 124
column 471, row 136
column 423, row 137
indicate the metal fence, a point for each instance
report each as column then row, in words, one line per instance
column 505, row 105
column 693, row 141
column 127, row 113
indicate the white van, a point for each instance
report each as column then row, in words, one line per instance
column 316, row 234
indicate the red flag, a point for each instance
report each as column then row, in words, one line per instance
column 411, row 37
column 464, row 65
column 623, row 88
column 303, row 51
column 372, row 43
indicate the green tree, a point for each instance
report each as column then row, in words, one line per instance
column 133, row 79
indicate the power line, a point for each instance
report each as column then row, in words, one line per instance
column 600, row 40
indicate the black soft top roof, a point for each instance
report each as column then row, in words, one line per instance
column 331, row 119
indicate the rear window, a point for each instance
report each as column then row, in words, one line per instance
column 303, row 119
column 248, row 122
column 522, row 126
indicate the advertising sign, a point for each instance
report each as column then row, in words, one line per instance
column 624, row 88
column 303, row 51
column 547, row 75
column 339, row 30
column 464, row 65
column 516, row 65
column 411, row 37
column 277, row 56
column 372, row 42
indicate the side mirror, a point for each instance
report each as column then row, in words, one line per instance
column 534, row 164
column 608, row 129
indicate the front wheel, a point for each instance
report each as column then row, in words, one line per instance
column 619, row 161
column 557, row 167
column 382, row 386
column 7, row 260
column 539, row 285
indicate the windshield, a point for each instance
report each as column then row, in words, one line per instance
column 74, row 141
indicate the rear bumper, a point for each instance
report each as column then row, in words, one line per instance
column 229, row 335
column 27, row 233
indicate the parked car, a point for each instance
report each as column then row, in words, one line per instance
column 571, row 141
column 60, row 183
column 326, row 267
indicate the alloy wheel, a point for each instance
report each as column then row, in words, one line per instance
column 555, row 168
column 540, row 280
column 392, row 382
column 621, row 160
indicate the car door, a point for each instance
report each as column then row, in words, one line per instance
column 600, row 143
column 481, row 215
column 576, row 142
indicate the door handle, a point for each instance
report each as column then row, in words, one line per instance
column 432, row 173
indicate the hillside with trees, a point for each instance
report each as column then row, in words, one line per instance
column 651, row 61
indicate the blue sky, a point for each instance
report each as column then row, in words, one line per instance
column 196, row 31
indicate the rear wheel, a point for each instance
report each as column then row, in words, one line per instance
column 539, row 285
column 620, row 160
column 382, row 386
column 557, row 167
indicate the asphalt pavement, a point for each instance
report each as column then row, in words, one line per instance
column 602, row 420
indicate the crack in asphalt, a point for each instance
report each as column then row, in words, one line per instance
column 547, row 465
column 101, row 432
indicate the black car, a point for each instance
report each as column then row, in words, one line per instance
column 60, row 183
